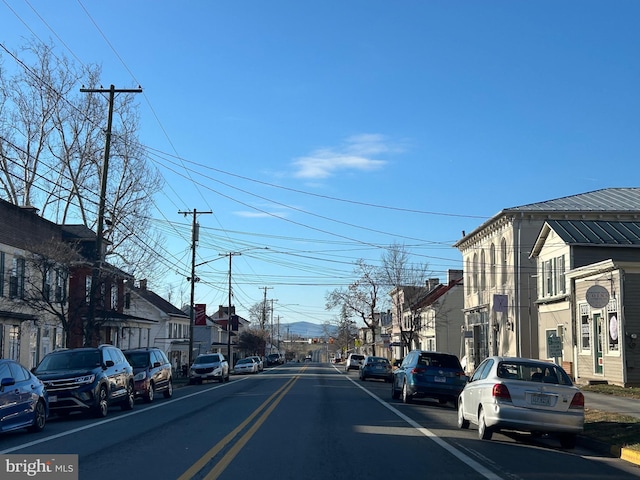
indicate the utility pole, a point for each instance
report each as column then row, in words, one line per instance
column 192, row 311
column 230, row 255
column 95, row 274
column 272, row 300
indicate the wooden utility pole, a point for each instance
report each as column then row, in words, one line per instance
column 97, row 265
column 192, row 312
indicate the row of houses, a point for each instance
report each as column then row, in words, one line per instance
column 46, row 275
column 557, row 280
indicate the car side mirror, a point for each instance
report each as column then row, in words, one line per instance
column 7, row 382
column 109, row 363
column 156, row 364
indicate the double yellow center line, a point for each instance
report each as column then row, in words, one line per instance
column 268, row 406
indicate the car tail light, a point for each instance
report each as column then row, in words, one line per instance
column 578, row 401
column 417, row 370
column 501, row 391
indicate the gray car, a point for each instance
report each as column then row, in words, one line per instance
column 209, row 366
column 522, row 394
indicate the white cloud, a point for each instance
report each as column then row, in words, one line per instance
column 355, row 155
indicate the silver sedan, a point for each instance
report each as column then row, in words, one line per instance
column 522, row 394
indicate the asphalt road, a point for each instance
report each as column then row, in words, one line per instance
column 306, row 421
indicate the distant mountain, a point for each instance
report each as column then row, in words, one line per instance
column 306, row 330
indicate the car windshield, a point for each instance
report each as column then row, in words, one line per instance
column 245, row 360
column 138, row 359
column 439, row 360
column 357, row 357
column 533, row 372
column 208, row 359
column 70, row 361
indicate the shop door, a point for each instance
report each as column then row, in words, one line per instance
column 597, row 349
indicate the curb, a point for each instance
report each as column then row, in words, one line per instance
column 626, row 454
column 632, row 456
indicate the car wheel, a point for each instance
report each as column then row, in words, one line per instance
column 40, row 417
column 406, row 398
column 395, row 394
column 148, row 398
column 130, row 400
column 484, row 432
column 102, row 404
column 168, row 393
column 462, row 422
column 568, row 440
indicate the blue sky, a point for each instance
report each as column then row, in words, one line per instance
column 328, row 130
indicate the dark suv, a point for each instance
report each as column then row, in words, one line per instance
column 87, row 379
column 426, row 374
column 152, row 372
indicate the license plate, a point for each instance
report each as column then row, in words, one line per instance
column 440, row 379
column 53, row 398
column 543, row 400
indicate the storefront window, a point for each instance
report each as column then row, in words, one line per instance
column 614, row 330
column 585, row 333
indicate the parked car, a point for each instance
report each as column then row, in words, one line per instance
column 209, row 366
column 376, row 367
column 246, row 365
column 152, row 372
column 354, row 360
column 426, row 374
column 523, row 394
column 259, row 361
column 24, row 402
column 274, row 359
column 88, row 379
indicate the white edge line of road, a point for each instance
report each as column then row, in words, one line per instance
column 481, row 469
column 114, row 419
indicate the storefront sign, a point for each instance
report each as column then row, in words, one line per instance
column 597, row 296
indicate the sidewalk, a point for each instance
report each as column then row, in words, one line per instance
column 613, row 404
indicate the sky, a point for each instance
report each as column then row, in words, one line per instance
column 318, row 133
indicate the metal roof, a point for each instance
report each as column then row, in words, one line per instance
column 597, row 232
column 605, row 200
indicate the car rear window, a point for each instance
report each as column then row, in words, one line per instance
column 439, row 360
column 533, row 372
column 357, row 357
column 377, row 360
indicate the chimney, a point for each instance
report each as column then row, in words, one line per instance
column 453, row 275
column 143, row 284
column 432, row 283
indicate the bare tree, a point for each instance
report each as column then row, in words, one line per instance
column 259, row 313
column 361, row 298
column 45, row 288
column 345, row 326
column 406, row 284
column 51, row 155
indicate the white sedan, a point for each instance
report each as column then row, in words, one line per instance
column 522, row 394
column 246, row 365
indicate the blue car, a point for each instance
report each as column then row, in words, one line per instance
column 23, row 398
column 425, row 374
